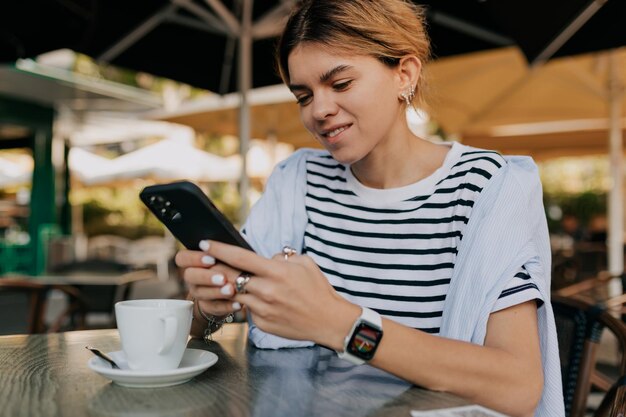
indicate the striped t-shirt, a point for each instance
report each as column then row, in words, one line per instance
column 394, row 250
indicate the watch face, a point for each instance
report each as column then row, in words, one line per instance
column 364, row 341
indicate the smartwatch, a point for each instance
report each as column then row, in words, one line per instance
column 363, row 339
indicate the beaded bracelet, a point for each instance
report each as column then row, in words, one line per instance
column 212, row 323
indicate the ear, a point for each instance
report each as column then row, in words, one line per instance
column 409, row 70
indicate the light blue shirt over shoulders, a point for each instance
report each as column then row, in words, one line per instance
column 507, row 229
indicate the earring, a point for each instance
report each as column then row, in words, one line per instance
column 408, row 96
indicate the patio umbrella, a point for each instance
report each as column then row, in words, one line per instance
column 13, row 173
column 547, row 29
column 88, row 167
column 169, row 160
column 197, row 42
column 495, row 94
column 274, row 115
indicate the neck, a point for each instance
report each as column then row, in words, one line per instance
column 399, row 161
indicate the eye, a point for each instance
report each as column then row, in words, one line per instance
column 342, row 85
column 303, row 99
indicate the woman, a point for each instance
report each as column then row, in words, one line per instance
column 429, row 261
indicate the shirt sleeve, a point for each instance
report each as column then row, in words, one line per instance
column 520, row 288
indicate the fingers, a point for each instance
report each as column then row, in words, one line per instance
column 219, row 307
column 190, row 258
column 218, row 274
column 242, row 259
column 216, row 282
column 204, row 292
column 278, row 257
column 294, row 258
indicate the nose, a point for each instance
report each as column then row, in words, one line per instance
column 323, row 106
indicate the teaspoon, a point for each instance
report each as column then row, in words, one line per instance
column 102, row 355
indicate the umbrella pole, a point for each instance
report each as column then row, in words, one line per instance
column 616, row 198
column 245, row 81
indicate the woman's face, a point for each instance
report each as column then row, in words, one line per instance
column 348, row 102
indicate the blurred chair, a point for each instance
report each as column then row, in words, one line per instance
column 74, row 315
column 579, row 328
column 23, row 304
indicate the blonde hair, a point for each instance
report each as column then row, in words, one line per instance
column 384, row 29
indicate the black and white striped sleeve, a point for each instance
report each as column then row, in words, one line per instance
column 520, row 288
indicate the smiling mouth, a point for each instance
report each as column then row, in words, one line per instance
column 335, row 132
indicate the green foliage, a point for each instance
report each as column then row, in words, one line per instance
column 226, row 198
column 118, row 211
column 584, row 206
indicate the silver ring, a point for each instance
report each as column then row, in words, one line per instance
column 288, row 251
column 241, row 281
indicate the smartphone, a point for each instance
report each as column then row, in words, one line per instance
column 190, row 215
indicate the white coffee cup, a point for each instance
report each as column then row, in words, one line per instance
column 154, row 333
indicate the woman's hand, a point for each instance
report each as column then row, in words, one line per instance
column 289, row 297
column 211, row 283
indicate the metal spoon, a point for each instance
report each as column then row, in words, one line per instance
column 104, row 356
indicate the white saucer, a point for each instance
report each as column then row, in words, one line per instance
column 194, row 362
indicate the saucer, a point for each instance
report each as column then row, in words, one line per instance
column 194, row 362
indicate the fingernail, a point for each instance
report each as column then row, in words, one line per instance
column 236, row 306
column 226, row 290
column 204, row 245
column 218, row 279
column 208, row 260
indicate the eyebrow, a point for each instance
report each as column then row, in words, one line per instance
column 324, row 77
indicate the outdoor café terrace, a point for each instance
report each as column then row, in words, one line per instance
column 90, row 114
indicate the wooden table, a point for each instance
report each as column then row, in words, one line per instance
column 47, row 375
column 78, row 278
column 96, row 291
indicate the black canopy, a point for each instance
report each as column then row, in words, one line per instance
column 196, row 41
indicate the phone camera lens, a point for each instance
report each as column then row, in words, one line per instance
column 175, row 216
column 157, row 201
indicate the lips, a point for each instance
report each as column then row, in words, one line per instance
column 332, row 134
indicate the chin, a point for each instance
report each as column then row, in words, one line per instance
column 344, row 156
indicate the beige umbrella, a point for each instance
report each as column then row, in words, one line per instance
column 493, row 99
column 567, row 106
column 274, row 115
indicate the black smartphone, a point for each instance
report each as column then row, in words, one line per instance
column 190, row 215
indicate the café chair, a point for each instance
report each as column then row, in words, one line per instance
column 579, row 328
column 23, row 306
column 73, row 316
